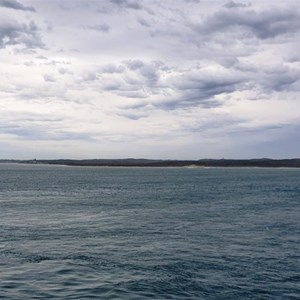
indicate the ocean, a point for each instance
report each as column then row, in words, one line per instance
column 149, row 233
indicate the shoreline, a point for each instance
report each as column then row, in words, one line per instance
column 190, row 167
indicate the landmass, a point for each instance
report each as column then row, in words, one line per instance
column 131, row 162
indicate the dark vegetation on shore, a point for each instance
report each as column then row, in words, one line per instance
column 130, row 162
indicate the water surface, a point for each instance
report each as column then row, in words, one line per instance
column 149, row 233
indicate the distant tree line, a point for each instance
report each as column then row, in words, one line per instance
column 130, row 162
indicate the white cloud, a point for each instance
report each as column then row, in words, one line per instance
column 149, row 78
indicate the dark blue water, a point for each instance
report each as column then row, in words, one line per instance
column 146, row 233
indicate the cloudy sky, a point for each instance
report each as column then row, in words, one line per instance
column 179, row 79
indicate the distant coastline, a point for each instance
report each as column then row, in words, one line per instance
column 130, row 162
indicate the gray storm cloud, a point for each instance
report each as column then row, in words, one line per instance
column 123, row 78
column 13, row 4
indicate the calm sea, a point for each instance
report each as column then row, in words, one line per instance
column 149, row 233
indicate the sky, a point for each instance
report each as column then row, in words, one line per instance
column 168, row 79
